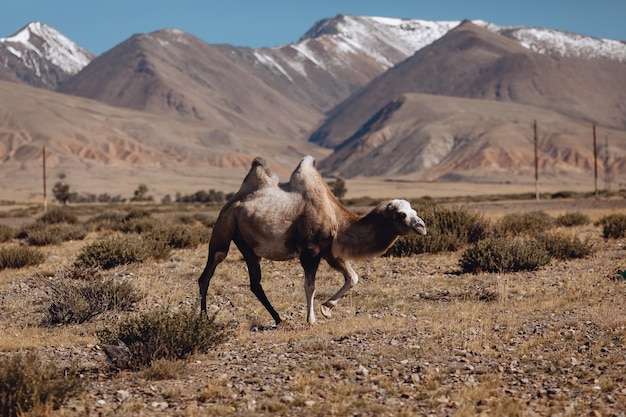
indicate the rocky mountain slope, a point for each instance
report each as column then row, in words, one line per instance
column 431, row 137
column 474, row 63
column 106, row 149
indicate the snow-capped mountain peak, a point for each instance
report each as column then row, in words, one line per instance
column 48, row 44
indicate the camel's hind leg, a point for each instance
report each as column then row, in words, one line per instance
column 254, row 269
column 350, row 279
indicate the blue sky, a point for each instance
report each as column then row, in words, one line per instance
column 100, row 25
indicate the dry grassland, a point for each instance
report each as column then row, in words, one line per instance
column 414, row 337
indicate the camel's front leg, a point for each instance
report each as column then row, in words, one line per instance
column 350, row 279
column 310, row 265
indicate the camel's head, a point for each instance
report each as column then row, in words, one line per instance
column 405, row 217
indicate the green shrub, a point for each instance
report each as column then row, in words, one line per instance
column 79, row 301
column 179, row 236
column 561, row 246
column 111, row 251
column 514, row 224
column 26, row 383
column 572, row 219
column 449, row 229
column 163, row 334
column 41, row 234
column 6, row 233
column 20, row 256
column 58, row 215
column 501, row 254
column 613, row 226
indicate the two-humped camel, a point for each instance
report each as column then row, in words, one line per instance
column 301, row 218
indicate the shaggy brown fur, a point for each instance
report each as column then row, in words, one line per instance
column 301, row 218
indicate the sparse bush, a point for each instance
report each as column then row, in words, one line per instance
column 6, row 233
column 139, row 225
column 117, row 220
column 163, row 334
column 58, row 215
column 205, row 220
column 613, row 226
column 448, row 231
column 501, row 254
column 561, row 246
column 514, row 224
column 338, row 187
column 41, row 234
column 16, row 257
column 26, row 383
column 179, row 236
column 111, row 251
column 201, row 196
column 572, row 219
column 79, row 301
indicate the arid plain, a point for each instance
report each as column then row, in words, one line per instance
column 415, row 336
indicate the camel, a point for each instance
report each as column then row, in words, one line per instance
column 301, row 218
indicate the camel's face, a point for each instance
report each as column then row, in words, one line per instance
column 407, row 216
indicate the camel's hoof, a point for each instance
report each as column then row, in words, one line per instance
column 326, row 311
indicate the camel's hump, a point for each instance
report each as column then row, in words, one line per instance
column 259, row 161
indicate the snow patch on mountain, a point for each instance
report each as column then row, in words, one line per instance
column 391, row 40
column 554, row 42
column 49, row 44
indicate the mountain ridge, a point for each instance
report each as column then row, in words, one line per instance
column 177, row 107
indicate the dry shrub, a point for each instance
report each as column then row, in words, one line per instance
column 111, row 251
column 613, row 226
column 164, row 334
column 501, row 254
column 16, row 257
column 42, row 234
column 572, row 219
column 179, row 236
column 514, row 224
column 27, row 383
column 118, row 220
column 58, row 215
column 449, row 229
column 6, row 233
column 562, row 246
column 79, row 301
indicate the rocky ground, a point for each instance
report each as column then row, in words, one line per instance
column 414, row 337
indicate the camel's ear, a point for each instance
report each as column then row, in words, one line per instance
column 392, row 208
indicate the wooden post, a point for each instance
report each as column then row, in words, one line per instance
column 607, row 179
column 595, row 162
column 536, row 162
column 45, row 199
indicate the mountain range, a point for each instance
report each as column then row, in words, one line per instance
column 368, row 96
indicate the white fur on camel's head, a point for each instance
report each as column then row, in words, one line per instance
column 407, row 216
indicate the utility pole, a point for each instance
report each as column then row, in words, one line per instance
column 45, row 199
column 536, row 162
column 607, row 179
column 595, row 162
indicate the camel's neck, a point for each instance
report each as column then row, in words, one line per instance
column 364, row 237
